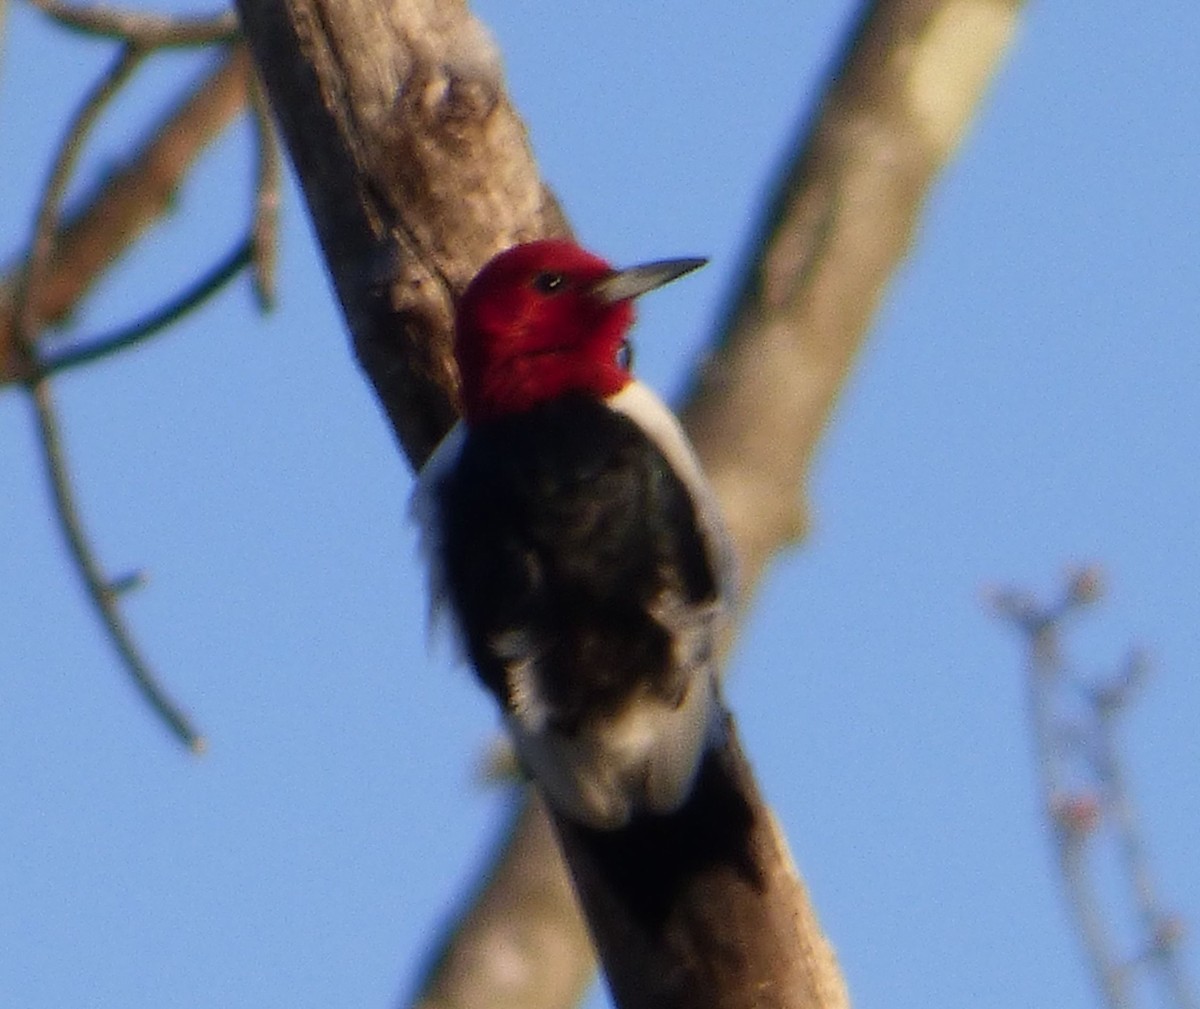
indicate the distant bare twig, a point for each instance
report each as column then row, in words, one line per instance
column 1086, row 798
column 50, row 204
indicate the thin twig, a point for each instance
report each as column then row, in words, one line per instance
column 148, row 31
column 1066, row 813
column 266, row 196
column 27, row 327
column 50, row 205
column 1087, row 800
column 100, row 590
column 1157, row 926
column 95, row 348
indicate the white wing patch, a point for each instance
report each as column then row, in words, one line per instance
column 423, row 509
column 515, row 648
column 639, row 403
column 693, row 631
column 643, row 758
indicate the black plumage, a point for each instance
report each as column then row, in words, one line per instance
column 568, row 541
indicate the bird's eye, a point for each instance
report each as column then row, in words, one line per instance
column 549, row 283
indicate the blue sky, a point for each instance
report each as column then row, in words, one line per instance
column 1027, row 400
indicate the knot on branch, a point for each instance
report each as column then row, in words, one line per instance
column 454, row 79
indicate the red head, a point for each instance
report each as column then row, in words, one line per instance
column 544, row 319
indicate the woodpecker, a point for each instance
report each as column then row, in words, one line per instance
column 572, row 539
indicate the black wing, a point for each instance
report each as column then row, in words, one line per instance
column 571, row 546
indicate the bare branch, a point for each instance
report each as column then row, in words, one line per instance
column 1073, row 815
column 26, row 328
column 1086, row 797
column 49, row 206
column 843, row 216
column 486, row 957
column 102, row 592
column 148, row 31
column 123, row 206
column 204, row 287
column 416, row 170
column 704, row 908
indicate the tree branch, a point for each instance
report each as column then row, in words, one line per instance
column 26, row 321
column 842, row 218
column 268, row 181
column 102, row 592
column 1086, row 799
column 416, row 171
column 704, row 908
column 96, row 348
column 520, row 942
column 25, row 327
column 124, row 205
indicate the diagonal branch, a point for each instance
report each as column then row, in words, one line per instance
column 26, row 320
column 27, row 325
column 268, row 181
column 842, row 218
column 26, row 328
column 125, row 204
column 519, row 943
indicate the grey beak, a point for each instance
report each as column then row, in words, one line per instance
column 621, row 285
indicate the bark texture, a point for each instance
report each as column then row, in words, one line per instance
column 704, row 907
column 417, row 170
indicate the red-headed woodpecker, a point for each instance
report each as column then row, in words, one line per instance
column 573, row 540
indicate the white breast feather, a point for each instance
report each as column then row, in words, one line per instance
column 646, row 755
column 639, row 403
